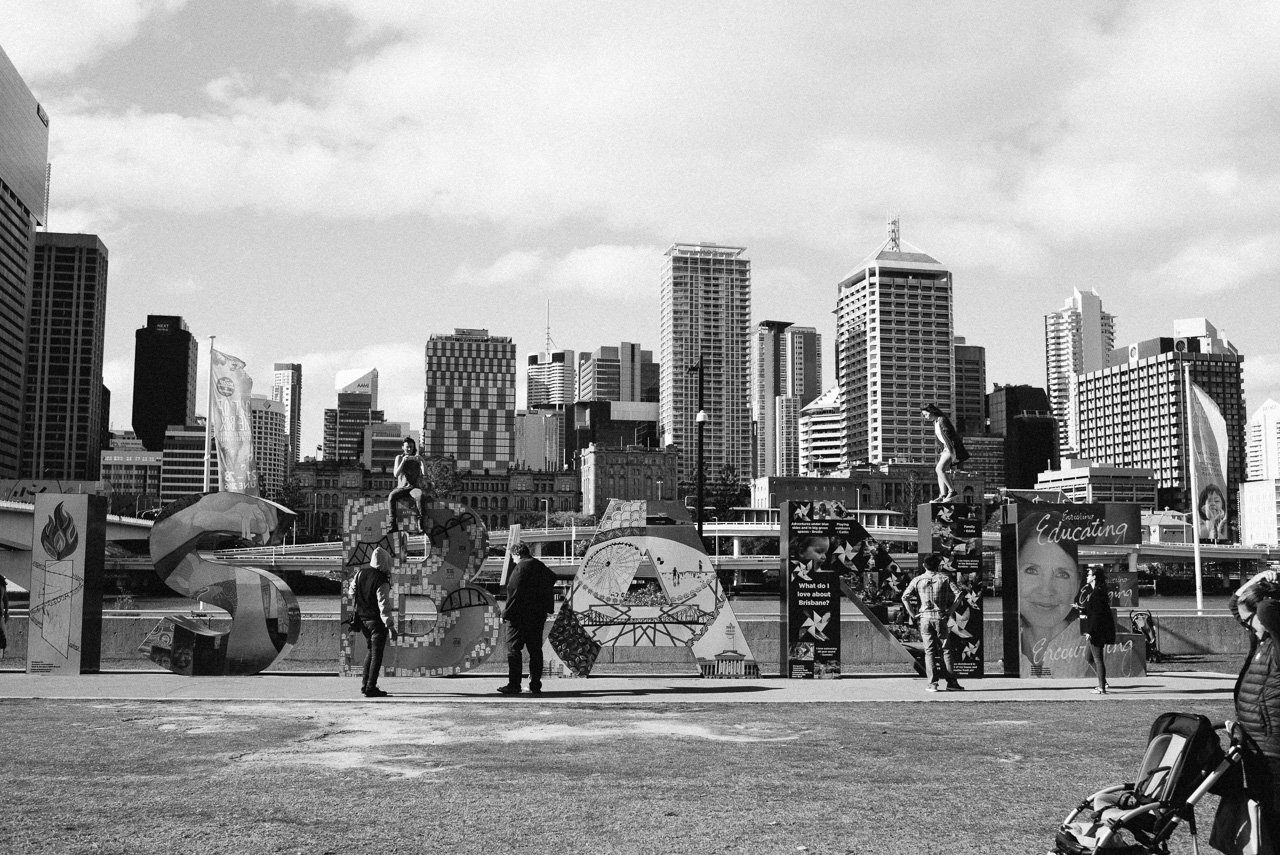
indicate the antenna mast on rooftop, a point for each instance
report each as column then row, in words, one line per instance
column 550, row 343
column 894, row 245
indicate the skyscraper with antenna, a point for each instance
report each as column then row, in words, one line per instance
column 551, row 374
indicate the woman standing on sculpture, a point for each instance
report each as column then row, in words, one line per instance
column 1099, row 624
column 408, row 472
column 953, row 451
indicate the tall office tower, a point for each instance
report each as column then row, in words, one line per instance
column 268, row 425
column 1021, row 415
column 539, row 443
column 469, row 408
column 1134, row 413
column 821, row 434
column 623, row 373
column 551, row 378
column 62, row 409
column 786, row 364
column 344, row 425
column 706, row 317
column 164, row 379
column 24, row 148
column 1077, row 340
column 1262, row 443
column 182, row 462
column 286, row 387
column 893, row 353
column 970, row 416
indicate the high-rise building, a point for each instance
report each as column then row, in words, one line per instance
column 1077, row 340
column 382, row 443
column 786, row 363
column 469, row 407
column 552, row 378
column 893, row 352
column 62, row 408
column 540, row 435
column 821, row 435
column 623, row 373
column 164, row 379
column 269, row 427
column 286, row 387
column 182, row 463
column 132, row 473
column 1134, row 412
column 24, row 149
column 1020, row 414
column 344, row 425
column 706, row 320
column 1262, row 443
column 970, row 416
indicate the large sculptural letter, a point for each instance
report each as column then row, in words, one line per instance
column 264, row 613
column 465, row 632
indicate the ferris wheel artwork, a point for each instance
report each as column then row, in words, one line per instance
column 653, row 586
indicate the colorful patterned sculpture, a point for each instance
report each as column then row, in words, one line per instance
column 465, row 632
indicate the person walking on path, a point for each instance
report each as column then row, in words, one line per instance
column 531, row 596
column 1099, row 623
column 371, row 590
column 937, row 595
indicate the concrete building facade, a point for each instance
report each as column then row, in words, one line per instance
column 24, row 149
column 1077, row 340
column 893, row 353
column 268, row 424
column 970, row 416
column 344, row 425
column 63, row 405
column 286, row 387
column 469, row 406
column 705, row 313
column 1087, row 482
column 551, row 378
column 164, row 378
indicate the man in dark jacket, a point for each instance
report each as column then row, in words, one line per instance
column 373, row 617
column 530, row 598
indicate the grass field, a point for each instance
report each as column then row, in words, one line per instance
column 179, row 777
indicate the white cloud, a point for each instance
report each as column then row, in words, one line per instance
column 1218, row 263
column 53, row 38
column 601, row 270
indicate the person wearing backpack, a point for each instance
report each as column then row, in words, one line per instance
column 937, row 595
column 373, row 617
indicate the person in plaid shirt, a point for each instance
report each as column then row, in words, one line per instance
column 937, row 596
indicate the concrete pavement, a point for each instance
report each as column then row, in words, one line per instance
column 156, row 685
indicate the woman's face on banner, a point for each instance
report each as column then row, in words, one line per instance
column 1048, row 582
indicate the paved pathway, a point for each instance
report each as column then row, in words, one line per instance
column 1174, row 687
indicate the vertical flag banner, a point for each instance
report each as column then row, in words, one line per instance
column 1209, row 457
column 230, row 423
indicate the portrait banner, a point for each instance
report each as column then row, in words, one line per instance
column 1042, row 578
column 1209, row 458
column 230, row 423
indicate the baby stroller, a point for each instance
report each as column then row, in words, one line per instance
column 1183, row 761
column 1145, row 625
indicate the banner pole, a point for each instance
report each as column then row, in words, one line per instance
column 1195, row 491
column 208, row 417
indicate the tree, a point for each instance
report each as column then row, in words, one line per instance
column 291, row 496
column 441, row 477
column 726, row 492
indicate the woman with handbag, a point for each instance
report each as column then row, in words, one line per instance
column 1097, row 623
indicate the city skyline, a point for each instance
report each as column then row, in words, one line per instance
column 281, row 176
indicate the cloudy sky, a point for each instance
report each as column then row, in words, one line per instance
column 331, row 182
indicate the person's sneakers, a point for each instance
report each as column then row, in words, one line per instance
column 535, row 690
column 375, row 692
column 954, row 687
column 932, row 687
column 508, row 690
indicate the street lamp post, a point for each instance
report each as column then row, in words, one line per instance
column 546, row 519
column 715, row 541
column 701, row 420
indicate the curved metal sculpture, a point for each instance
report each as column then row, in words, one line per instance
column 265, row 618
column 465, row 632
